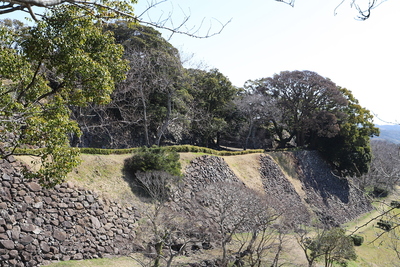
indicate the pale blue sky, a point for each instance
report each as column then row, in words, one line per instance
column 266, row 37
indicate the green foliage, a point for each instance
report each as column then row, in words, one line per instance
column 395, row 204
column 213, row 95
column 309, row 105
column 332, row 246
column 177, row 148
column 64, row 60
column 197, row 149
column 154, row 159
column 102, row 151
column 350, row 150
column 357, row 240
column 385, row 225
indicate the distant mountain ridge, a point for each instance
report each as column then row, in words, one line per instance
column 390, row 133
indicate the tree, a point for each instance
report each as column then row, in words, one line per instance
column 94, row 7
column 166, row 230
column 109, row 10
column 148, row 106
column 257, row 110
column 264, row 235
column 384, row 173
column 331, row 245
column 233, row 208
column 41, row 79
column 124, row 8
column 213, row 93
column 350, row 150
column 311, row 103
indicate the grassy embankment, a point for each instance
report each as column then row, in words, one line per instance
column 103, row 174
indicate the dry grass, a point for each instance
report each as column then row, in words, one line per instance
column 104, row 174
column 247, row 169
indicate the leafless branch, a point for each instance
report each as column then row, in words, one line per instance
column 364, row 13
column 380, row 215
column 26, row 5
column 289, row 2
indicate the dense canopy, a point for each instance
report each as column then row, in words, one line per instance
column 66, row 59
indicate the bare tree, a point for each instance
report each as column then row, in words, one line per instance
column 148, row 103
column 258, row 110
column 233, row 209
column 166, row 230
column 263, row 240
column 384, row 173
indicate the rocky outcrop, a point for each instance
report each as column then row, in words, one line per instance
column 39, row 225
column 319, row 193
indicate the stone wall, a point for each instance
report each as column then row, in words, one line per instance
column 321, row 195
column 205, row 170
column 281, row 193
column 39, row 225
column 333, row 199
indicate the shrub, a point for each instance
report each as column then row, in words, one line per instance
column 157, row 184
column 357, row 240
column 154, row 159
column 102, row 151
column 395, row 204
column 380, row 192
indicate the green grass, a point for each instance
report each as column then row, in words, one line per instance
column 373, row 252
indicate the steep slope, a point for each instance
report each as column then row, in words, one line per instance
column 333, row 199
column 308, row 189
column 282, row 193
column 300, row 185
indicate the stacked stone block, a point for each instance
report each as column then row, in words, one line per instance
column 39, row 225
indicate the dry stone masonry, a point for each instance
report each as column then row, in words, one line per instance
column 281, row 193
column 331, row 199
column 39, row 225
column 206, row 170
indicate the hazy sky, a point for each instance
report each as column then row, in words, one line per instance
column 266, row 37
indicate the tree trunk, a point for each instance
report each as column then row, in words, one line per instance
column 158, row 247
column 246, row 145
column 278, row 252
column 145, row 121
column 164, row 127
column 249, row 248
